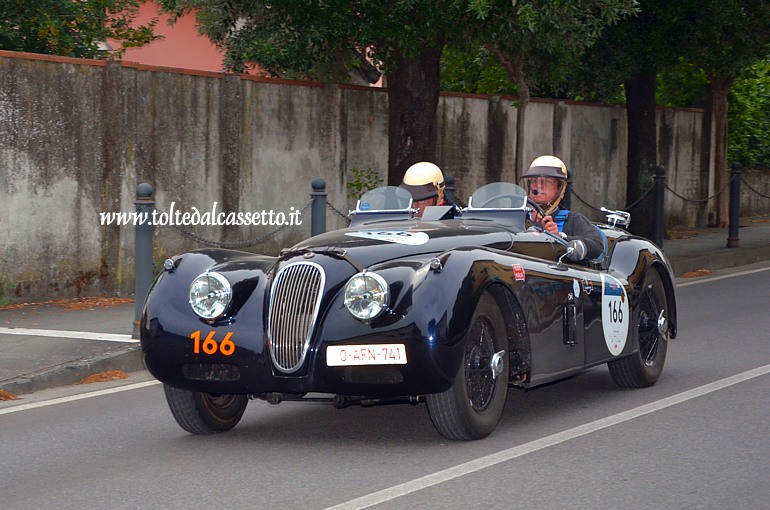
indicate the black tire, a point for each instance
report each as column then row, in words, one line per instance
column 203, row 413
column 472, row 407
column 644, row 367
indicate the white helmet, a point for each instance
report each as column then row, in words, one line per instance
column 548, row 166
column 424, row 180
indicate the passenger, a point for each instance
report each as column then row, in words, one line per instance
column 546, row 183
column 425, row 182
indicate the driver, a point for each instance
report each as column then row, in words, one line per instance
column 425, row 182
column 546, row 183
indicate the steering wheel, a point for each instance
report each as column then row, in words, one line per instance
column 512, row 197
column 539, row 211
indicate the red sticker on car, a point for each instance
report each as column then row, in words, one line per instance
column 518, row 272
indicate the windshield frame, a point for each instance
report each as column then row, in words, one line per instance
column 384, row 198
column 488, row 192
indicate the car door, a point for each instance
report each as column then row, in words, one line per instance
column 554, row 304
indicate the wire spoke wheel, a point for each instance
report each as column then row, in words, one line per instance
column 650, row 319
column 472, row 406
column 644, row 367
column 479, row 371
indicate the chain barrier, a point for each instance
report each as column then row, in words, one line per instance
column 701, row 201
column 691, row 200
column 626, row 208
column 239, row 244
column 752, row 189
column 573, row 194
column 338, row 212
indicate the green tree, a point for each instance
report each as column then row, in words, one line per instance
column 538, row 40
column 725, row 38
column 721, row 38
column 749, row 118
column 325, row 39
column 475, row 71
column 628, row 57
column 71, row 28
column 406, row 38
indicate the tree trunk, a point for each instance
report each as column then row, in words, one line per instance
column 720, row 87
column 642, row 151
column 515, row 70
column 705, row 162
column 521, row 117
column 413, row 91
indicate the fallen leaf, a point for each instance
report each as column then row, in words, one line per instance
column 698, row 272
column 682, row 234
column 5, row 395
column 109, row 375
column 82, row 303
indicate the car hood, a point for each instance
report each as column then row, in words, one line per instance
column 372, row 243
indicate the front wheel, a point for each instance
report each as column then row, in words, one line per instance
column 472, row 406
column 204, row 413
column 644, row 367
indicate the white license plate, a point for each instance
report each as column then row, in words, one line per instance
column 371, row 354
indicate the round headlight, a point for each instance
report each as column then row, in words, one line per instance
column 366, row 296
column 209, row 295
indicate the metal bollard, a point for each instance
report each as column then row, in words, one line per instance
column 733, row 241
column 145, row 205
column 318, row 209
column 659, row 219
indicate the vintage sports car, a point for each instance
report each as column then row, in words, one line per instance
column 450, row 309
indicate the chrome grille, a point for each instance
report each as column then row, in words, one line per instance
column 294, row 302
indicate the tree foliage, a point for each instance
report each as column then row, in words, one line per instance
column 320, row 38
column 324, row 39
column 71, row 28
column 724, row 38
column 749, row 118
column 539, row 40
column 711, row 41
column 548, row 35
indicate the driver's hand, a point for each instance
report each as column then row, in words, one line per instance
column 550, row 225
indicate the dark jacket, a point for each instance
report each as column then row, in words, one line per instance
column 577, row 226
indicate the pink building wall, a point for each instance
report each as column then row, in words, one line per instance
column 181, row 47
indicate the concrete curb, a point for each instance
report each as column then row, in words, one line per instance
column 128, row 359
column 729, row 258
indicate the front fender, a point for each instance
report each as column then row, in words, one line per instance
column 431, row 309
column 632, row 257
column 168, row 322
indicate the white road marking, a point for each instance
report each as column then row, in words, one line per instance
column 82, row 335
column 722, row 277
column 73, row 398
column 472, row 466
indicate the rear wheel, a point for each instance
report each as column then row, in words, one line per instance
column 471, row 408
column 643, row 368
column 204, row 413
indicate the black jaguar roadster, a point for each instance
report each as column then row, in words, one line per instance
column 450, row 309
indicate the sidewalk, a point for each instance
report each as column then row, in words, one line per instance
column 48, row 345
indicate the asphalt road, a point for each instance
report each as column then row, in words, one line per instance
column 698, row 439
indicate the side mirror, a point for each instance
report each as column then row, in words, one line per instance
column 576, row 250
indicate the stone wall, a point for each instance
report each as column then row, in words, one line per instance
column 77, row 136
